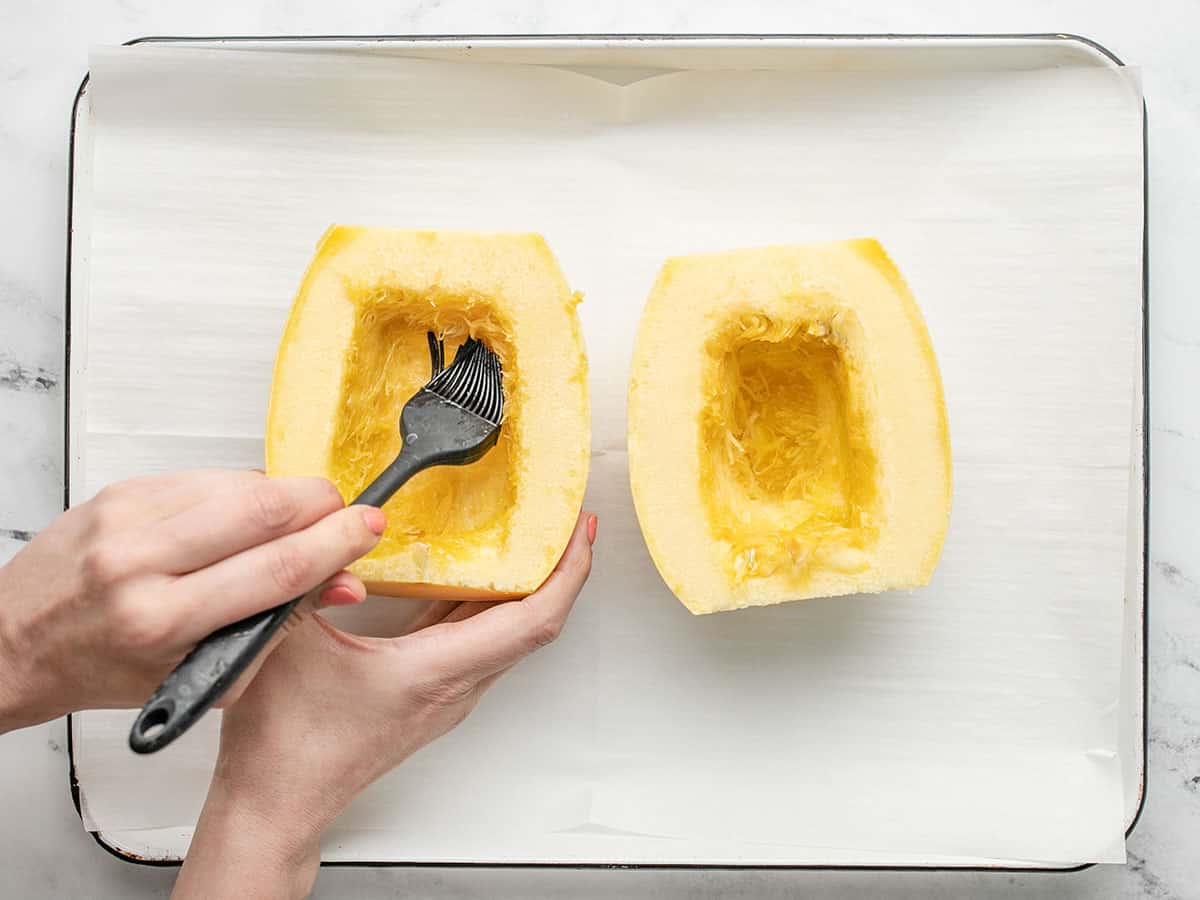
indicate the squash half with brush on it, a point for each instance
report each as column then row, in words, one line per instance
column 355, row 350
column 787, row 430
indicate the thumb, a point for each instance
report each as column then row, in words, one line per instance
column 477, row 645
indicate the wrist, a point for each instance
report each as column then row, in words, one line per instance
column 12, row 712
column 18, row 705
column 243, row 847
column 276, row 821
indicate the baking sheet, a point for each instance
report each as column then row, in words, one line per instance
column 975, row 719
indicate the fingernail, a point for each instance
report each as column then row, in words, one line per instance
column 375, row 519
column 592, row 522
column 338, row 595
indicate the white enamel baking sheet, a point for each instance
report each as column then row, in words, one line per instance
column 993, row 718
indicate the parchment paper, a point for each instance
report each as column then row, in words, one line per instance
column 974, row 719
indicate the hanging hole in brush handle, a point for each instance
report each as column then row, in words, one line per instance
column 203, row 677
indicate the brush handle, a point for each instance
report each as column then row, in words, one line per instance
column 406, row 464
column 203, row 677
column 215, row 663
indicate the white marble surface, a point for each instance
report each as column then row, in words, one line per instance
column 43, row 46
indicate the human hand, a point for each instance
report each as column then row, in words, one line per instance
column 100, row 606
column 330, row 712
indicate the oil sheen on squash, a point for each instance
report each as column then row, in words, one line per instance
column 452, row 508
column 786, row 463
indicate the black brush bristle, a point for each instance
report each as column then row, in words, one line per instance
column 473, row 381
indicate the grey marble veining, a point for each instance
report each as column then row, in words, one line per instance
column 44, row 851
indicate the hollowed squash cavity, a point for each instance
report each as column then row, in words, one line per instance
column 788, row 471
column 387, row 361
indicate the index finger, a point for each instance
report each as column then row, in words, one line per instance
column 275, row 572
column 496, row 638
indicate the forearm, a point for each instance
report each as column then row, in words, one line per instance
column 240, row 850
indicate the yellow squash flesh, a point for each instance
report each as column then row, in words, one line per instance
column 787, row 429
column 353, row 353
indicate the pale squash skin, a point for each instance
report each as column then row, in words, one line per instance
column 793, row 395
column 352, row 353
